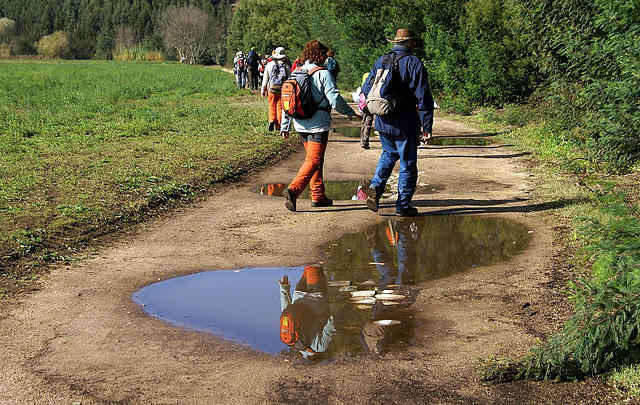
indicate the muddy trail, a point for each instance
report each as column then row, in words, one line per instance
column 186, row 311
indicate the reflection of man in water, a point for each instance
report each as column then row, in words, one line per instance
column 398, row 244
column 305, row 323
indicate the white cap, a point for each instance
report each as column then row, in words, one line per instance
column 279, row 53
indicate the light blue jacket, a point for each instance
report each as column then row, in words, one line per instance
column 327, row 97
column 320, row 342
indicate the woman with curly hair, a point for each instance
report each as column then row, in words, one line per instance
column 314, row 131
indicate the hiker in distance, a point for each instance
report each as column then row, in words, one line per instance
column 397, row 84
column 253, row 61
column 240, row 69
column 307, row 99
column 275, row 73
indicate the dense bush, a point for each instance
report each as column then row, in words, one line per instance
column 590, row 52
column 604, row 332
column 55, row 45
column 7, row 28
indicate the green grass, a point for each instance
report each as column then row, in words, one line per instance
column 626, row 380
column 602, row 334
column 88, row 146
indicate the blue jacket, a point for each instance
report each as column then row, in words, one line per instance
column 406, row 121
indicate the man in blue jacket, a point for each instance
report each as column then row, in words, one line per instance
column 401, row 130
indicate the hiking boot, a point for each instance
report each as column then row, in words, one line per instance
column 327, row 202
column 373, row 199
column 272, row 126
column 407, row 212
column 290, row 202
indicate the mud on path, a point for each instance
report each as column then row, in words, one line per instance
column 82, row 339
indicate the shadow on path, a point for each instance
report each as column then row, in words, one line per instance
column 464, row 147
column 494, row 210
column 509, row 156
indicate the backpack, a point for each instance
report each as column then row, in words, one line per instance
column 382, row 98
column 297, row 98
column 289, row 328
column 240, row 64
column 277, row 77
column 252, row 59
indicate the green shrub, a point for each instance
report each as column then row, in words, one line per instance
column 590, row 51
column 55, row 45
column 604, row 332
column 7, row 29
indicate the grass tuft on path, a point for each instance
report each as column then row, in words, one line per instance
column 89, row 146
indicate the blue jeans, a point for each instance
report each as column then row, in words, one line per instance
column 404, row 149
column 241, row 78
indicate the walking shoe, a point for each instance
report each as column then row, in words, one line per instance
column 364, row 146
column 327, row 202
column 290, row 202
column 373, row 199
column 272, row 126
column 407, row 212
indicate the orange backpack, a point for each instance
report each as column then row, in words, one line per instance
column 289, row 329
column 297, row 99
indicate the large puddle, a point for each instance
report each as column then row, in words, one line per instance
column 460, row 141
column 350, row 132
column 359, row 300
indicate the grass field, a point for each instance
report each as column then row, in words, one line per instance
column 86, row 147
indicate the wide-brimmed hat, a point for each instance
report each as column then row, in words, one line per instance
column 402, row 35
column 279, row 53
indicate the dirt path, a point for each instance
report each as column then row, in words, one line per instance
column 81, row 338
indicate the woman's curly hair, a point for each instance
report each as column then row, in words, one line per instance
column 315, row 52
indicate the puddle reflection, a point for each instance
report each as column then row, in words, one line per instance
column 412, row 250
column 350, row 132
column 337, row 190
column 360, row 300
column 285, row 310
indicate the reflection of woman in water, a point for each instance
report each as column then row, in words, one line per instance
column 276, row 189
column 305, row 323
column 397, row 244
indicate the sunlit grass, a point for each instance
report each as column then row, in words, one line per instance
column 87, row 146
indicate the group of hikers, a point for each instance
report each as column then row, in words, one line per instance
column 395, row 96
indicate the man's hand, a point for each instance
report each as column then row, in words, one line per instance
column 426, row 138
column 285, row 135
column 263, row 92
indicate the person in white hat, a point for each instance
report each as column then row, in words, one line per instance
column 275, row 73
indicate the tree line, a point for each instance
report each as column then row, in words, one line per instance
column 95, row 28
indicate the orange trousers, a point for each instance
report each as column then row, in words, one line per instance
column 310, row 172
column 275, row 108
